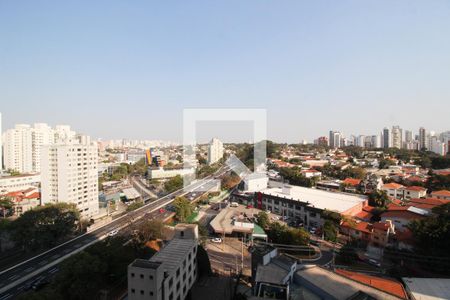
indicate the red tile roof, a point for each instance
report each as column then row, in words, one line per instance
column 441, row 193
column 390, row 286
column 415, row 188
column 381, row 226
column 402, row 214
column 359, row 226
column 364, row 215
column 352, row 181
column 392, row 185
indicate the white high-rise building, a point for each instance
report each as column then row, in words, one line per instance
column 376, row 141
column 18, row 148
column 360, row 141
column 42, row 135
column 215, row 151
column 396, row 137
column 69, row 174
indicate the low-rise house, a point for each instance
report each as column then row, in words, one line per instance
column 377, row 234
column 427, row 203
column 381, row 233
column 309, row 173
column 24, row 200
column 372, row 182
column 401, row 216
column 414, row 192
column 393, row 190
column 366, row 214
column 351, row 184
column 441, row 195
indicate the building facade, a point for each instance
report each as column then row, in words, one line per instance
column 215, row 151
column 170, row 273
column 69, row 173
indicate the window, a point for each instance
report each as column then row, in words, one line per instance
column 151, row 293
column 151, row 277
column 178, row 272
column 142, row 275
column 132, row 274
column 170, row 282
column 132, row 291
column 142, row 292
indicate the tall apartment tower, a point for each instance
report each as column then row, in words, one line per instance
column 18, row 144
column 397, row 137
column 215, row 151
column 335, row 139
column 69, row 173
column 386, row 138
column 422, row 139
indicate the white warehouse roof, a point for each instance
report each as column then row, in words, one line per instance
column 339, row 202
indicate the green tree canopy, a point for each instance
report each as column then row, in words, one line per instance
column 45, row 226
column 173, row 184
column 183, row 208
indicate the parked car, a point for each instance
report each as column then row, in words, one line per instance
column 162, row 210
column 374, row 262
column 216, row 240
column 113, row 233
column 39, row 284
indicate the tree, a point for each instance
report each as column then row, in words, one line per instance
column 173, row 184
column 230, row 181
column 148, row 230
column 347, row 254
column 263, row 219
column 330, row 231
column 134, row 206
column 281, row 234
column 5, row 204
column 183, row 208
column 378, row 199
column 45, row 226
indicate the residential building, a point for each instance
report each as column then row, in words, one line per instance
column 215, row 151
column 18, row 153
column 309, row 173
column 24, row 200
column 161, row 173
column 397, row 137
column 410, row 192
column 442, row 194
column 375, row 141
column 423, row 144
column 170, row 273
column 335, row 139
column 20, row 182
column 69, row 173
column 386, row 138
column 401, row 216
column 393, row 190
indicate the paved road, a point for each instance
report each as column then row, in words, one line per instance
column 14, row 280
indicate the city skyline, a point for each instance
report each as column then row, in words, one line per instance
column 313, row 67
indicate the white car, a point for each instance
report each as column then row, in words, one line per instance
column 216, row 240
column 113, row 233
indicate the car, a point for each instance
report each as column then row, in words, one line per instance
column 216, row 240
column 249, row 206
column 162, row 210
column 374, row 262
column 313, row 230
column 113, row 232
column 39, row 284
column 268, row 211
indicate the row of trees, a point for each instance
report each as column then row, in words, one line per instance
column 45, row 226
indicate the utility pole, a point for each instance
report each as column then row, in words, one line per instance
column 242, row 255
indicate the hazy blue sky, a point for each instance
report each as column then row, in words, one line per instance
column 118, row 69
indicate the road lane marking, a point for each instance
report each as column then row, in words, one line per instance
column 13, row 277
column 29, row 269
column 7, row 296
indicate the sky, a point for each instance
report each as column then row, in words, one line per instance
column 127, row 69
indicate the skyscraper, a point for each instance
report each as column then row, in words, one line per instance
column 69, row 173
column 396, row 137
column 422, row 139
column 335, row 139
column 386, row 138
column 215, row 151
column 18, row 144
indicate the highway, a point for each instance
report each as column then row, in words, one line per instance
column 18, row 278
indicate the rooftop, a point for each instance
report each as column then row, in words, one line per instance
column 174, row 253
column 339, row 202
column 428, row 288
column 340, row 287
